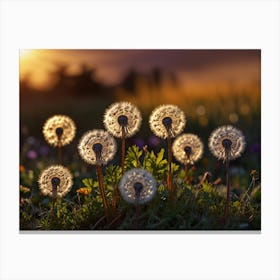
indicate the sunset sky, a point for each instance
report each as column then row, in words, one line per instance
column 196, row 69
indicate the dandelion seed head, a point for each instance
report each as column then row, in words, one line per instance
column 167, row 119
column 227, row 141
column 187, row 148
column 59, row 130
column 97, row 147
column 122, row 116
column 137, row 182
column 56, row 176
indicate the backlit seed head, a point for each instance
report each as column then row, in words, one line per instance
column 58, row 177
column 97, row 147
column 167, row 119
column 227, row 141
column 137, row 185
column 59, row 130
column 122, row 116
column 187, row 148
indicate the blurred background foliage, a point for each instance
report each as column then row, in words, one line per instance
column 213, row 87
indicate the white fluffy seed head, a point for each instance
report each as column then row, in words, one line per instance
column 55, row 171
column 173, row 112
column 227, row 133
column 187, row 148
column 100, row 137
column 67, row 129
column 137, row 175
column 118, row 110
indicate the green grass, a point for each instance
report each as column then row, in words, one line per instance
column 196, row 206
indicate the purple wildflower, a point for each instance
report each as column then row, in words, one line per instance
column 44, row 150
column 31, row 154
column 139, row 142
column 154, row 141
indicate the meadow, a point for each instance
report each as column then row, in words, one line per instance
column 197, row 203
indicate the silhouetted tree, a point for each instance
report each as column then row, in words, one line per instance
column 157, row 76
column 130, row 80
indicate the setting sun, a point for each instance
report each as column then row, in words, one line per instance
column 35, row 67
column 25, row 53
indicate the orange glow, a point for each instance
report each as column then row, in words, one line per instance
column 24, row 54
column 202, row 79
column 36, row 67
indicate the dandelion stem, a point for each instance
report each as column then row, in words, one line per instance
column 228, row 189
column 59, row 154
column 102, row 191
column 138, row 188
column 53, row 208
column 115, row 197
column 59, row 132
column 137, row 211
column 123, row 148
column 186, row 173
column 169, row 177
column 55, row 182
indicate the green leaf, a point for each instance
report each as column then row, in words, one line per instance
column 90, row 183
column 155, row 164
column 236, row 204
column 160, row 156
column 206, row 187
column 174, row 167
column 113, row 175
column 132, row 159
